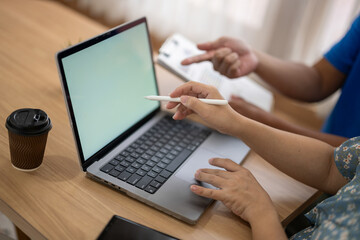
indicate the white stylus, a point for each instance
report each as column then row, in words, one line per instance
column 204, row 100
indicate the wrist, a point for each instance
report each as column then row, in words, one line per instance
column 267, row 226
column 237, row 124
column 263, row 215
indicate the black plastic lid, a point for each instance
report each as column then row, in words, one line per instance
column 28, row 122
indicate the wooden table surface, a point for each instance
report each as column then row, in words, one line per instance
column 57, row 201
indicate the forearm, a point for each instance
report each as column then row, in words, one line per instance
column 278, row 123
column 292, row 79
column 305, row 159
column 267, row 226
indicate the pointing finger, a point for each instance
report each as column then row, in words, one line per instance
column 227, row 164
column 198, row 58
column 206, row 192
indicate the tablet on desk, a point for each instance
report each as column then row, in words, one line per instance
column 121, row 228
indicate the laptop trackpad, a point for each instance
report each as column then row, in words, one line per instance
column 199, row 159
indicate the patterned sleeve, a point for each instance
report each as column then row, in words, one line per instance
column 347, row 157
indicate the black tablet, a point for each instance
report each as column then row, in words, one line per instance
column 121, row 228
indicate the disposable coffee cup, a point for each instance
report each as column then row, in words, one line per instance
column 28, row 130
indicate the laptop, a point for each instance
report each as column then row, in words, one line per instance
column 126, row 141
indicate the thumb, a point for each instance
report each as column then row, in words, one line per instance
column 194, row 104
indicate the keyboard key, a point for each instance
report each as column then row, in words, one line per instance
column 191, row 147
column 125, row 163
column 119, row 168
column 150, row 189
column 135, row 145
column 114, row 173
column 165, row 174
column 164, row 151
column 144, row 182
column 119, row 157
column 140, row 150
column 114, row 162
column 141, row 172
column 150, row 163
column 156, row 169
column 160, row 179
column 174, row 152
column 166, row 161
column 178, row 148
column 135, row 155
column 146, row 168
column 170, row 156
column 136, row 165
column 141, row 161
column 146, row 156
column 130, row 149
column 130, row 159
column 155, row 184
column 155, row 159
column 107, row 168
column 134, row 179
column 124, row 176
column 155, row 148
column 125, row 153
column 144, row 146
column 168, row 147
column 152, row 174
column 131, row 169
column 178, row 160
column 160, row 155
column 150, row 152
column 161, row 165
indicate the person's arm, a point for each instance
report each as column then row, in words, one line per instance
column 305, row 159
column 234, row 58
column 251, row 111
column 299, row 81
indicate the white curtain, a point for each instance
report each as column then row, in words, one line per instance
column 297, row 29
column 300, row 30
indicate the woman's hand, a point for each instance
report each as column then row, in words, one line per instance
column 222, row 118
column 238, row 189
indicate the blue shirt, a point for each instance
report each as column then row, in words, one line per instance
column 344, row 119
column 338, row 217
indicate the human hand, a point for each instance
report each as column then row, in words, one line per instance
column 238, row 189
column 231, row 57
column 216, row 116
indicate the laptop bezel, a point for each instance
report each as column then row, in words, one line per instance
column 81, row 46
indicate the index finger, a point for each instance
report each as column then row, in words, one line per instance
column 207, row 192
column 198, row 58
column 225, row 163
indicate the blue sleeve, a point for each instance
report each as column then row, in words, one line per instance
column 343, row 54
column 347, row 157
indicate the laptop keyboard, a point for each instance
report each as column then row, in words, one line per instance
column 151, row 159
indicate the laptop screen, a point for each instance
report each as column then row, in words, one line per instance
column 107, row 82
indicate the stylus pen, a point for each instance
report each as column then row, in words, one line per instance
column 204, row 100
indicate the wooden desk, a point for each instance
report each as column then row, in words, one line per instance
column 57, row 201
